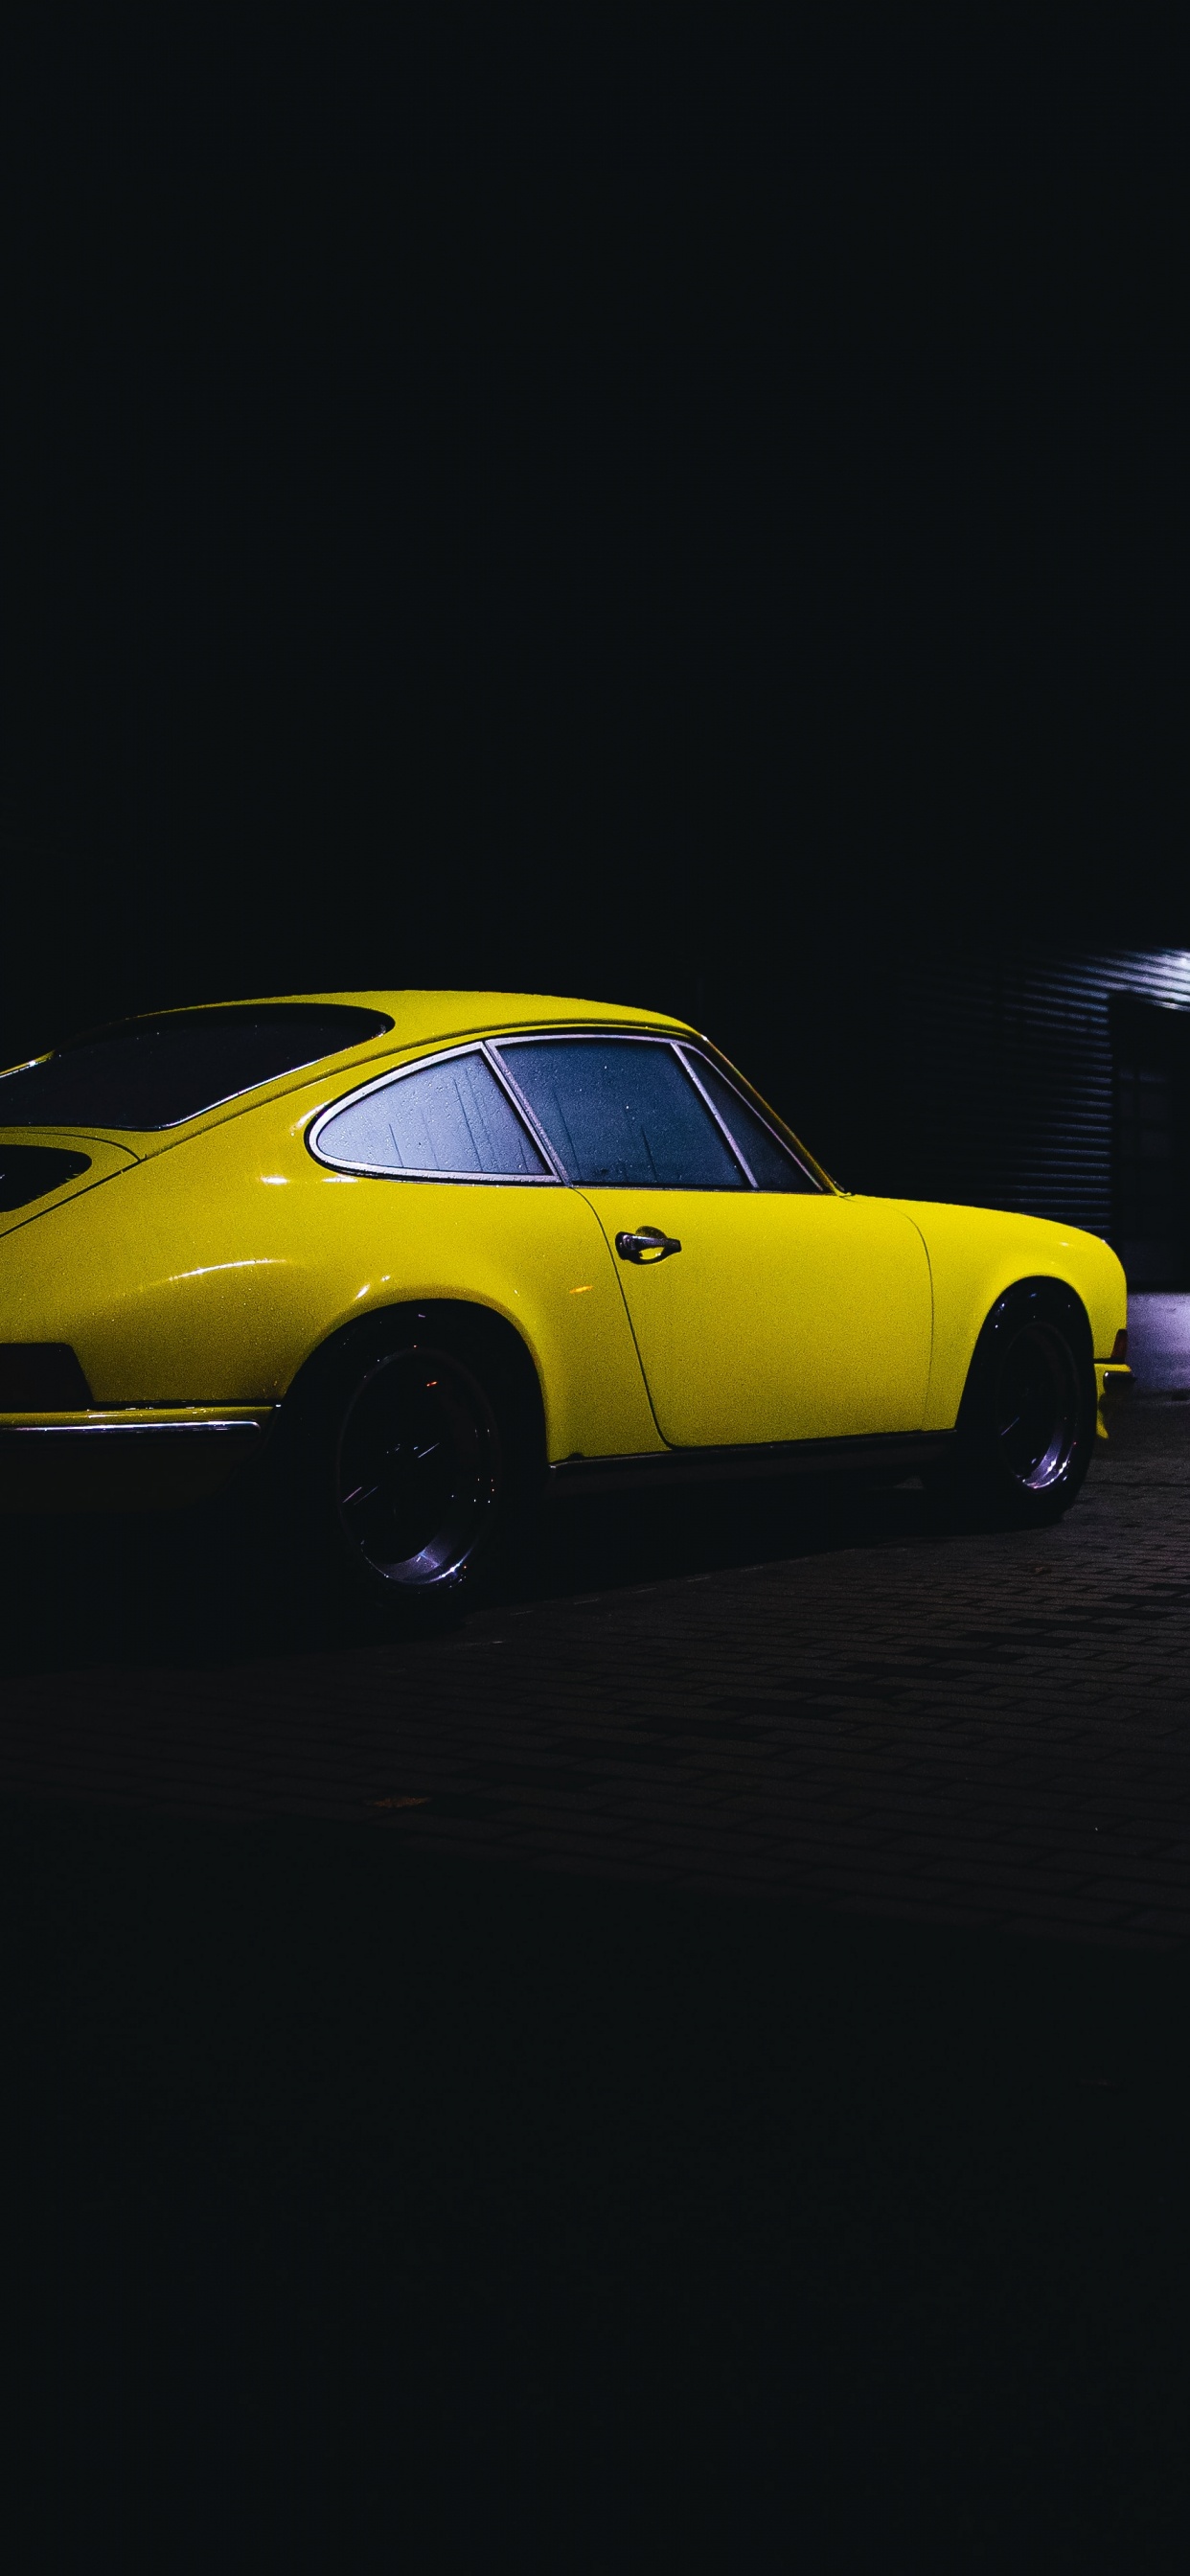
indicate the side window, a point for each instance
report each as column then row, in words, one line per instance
column 623, row 1113
column 771, row 1164
column 451, row 1119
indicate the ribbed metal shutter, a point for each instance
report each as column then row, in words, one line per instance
column 1009, row 1101
column 964, row 1074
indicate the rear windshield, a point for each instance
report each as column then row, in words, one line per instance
column 159, row 1072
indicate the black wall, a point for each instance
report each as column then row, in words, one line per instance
column 745, row 585
column 1055, row 1081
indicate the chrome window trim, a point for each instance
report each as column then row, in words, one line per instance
column 637, row 1037
column 686, row 1052
column 720, row 1122
column 405, row 1172
column 490, row 1046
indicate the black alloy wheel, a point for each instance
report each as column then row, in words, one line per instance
column 418, row 1469
column 1038, row 1407
column 1026, row 1427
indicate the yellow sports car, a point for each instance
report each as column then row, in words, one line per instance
column 425, row 1250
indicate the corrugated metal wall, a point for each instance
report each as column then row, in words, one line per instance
column 969, row 1075
column 1017, row 1106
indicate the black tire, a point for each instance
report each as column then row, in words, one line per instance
column 1026, row 1426
column 413, row 1454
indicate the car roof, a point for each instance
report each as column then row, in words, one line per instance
column 420, row 1019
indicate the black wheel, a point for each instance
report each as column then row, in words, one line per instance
column 1026, row 1427
column 418, row 1468
column 416, row 1448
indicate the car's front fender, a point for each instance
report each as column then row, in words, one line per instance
column 977, row 1253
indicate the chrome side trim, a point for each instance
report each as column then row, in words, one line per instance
column 908, row 1450
column 124, row 1430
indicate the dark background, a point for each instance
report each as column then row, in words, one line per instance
column 698, row 529
column 474, row 521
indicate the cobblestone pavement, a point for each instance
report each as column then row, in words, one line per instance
column 860, row 1715
column 1159, row 1341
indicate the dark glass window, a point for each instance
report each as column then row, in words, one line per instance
column 158, row 1072
column 449, row 1117
column 29, row 1172
column 770, row 1162
column 623, row 1113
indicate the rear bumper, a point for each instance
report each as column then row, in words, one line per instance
column 134, row 1459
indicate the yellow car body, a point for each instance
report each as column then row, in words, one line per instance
column 193, row 1270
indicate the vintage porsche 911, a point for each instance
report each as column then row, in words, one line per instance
column 427, row 1252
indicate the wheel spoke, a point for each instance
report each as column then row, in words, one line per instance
column 1038, row 1407
column 417, row 1468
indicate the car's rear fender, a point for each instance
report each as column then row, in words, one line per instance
column 215, row 1271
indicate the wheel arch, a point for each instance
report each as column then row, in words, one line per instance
column 472, row 1330
column 1041, row 1287
column 979, row 1255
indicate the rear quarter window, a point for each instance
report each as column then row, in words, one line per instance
column 450, row 1120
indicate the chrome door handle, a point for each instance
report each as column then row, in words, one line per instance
column 648, row 1244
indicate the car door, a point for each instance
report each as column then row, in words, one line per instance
column 766, row 1306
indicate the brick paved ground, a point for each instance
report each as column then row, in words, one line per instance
column 376, row 2202
column 860, row 1714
